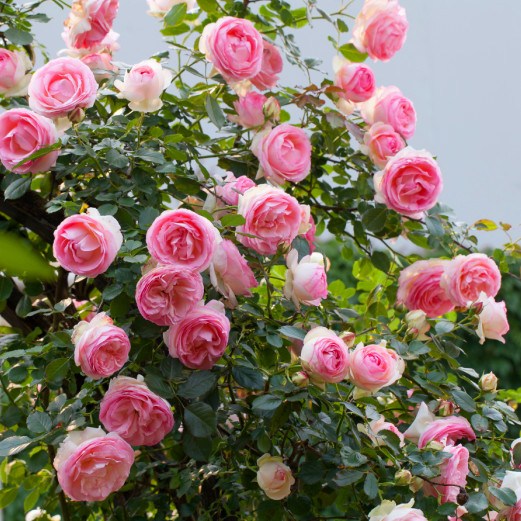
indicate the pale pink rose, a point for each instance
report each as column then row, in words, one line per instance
column 143, row 86
column 274, row 478
column 100, row 63
column 380, row 29
column 447, row 430
column 13, row 68
column 61, row 86
column 306, row 280
column 284, row 154
column 234, row 47
column 182, row 238
column 130, row 409
column 271, row 67
column 272, row 216
column 390, row 511
column 23, row 133
column 200, row 339
column 91, row 464
column 87, row 243
column 419, row 288
column 324, row 356
column 100, row 347
column 89, row 22
column 493, row 323
column 165, row 294
column 233, row 187
column 488, row 383
column 160, row 8
column 373, row 366
column 230, row 273
column 390, row 106
column 309, row 235
column 252, row 110
column 417, row 324
column 356, row 80
column 382, row 142
column 423, row 419
column 466, row 276
column 376, row 426
column 410, row 183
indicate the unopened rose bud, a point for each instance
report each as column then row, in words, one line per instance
column 488, row 382
column 300, row 379
column 348, row 337
column 416, row 484
column 417, row 322
column 446, row 408
column 77, row 115
column 403, row 477
column 271, row 109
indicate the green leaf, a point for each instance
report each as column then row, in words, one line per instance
column 115, row 159
column 146, row 217
column 479, row 423
column 374, row 219
column 381, row 261
column 352, row 458
column 57, row 370
column 347, row 477
column 476, row 503
column 505, row 495
column 292, row 332
column 464, row 400
column 198, row 449
column 443, row 327
column 311, row 472
column 350, row 52
column 17, row 188
column 176, row 15
column 14, row 445
column 31, row 499
column 6, row 288
column 150, row 156
column 8, row 495
column 232, row 219
column 39, row 422
column 198, row 385
column 248, row 378
column 18, row 37
column 266, row 402
column 371, row 486
column 208, row 6
column 200, row 419
column 159, row 385
column 214, row 112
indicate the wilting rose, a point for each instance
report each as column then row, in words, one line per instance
column 160, row 8
column 100, row 347
column 165, row 294
column 13, row 68
column 447, row 431
column 200, row 339
column 182, row 238
column 410, row 183
column 130, row 409
column 100, row 63
column 91, row 464
column 356, row 80
column 381, row 142
column 232, row 187
column 87, row 243
column 493, row 321
column 273, row 477
column 271, row 215
column 23, row 133
column 390, row 511
column 271, row 67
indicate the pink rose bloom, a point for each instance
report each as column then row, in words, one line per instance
column 61, row 86
column 132, row 410
column 233, row 187
column 160, row 8
column 390, row 106
column 324, row 356
column 13, row 68
column 230, row 273
column 466, row 276
column 183, row 238
column 271, row 67
column 380, row 29
column 447, row 430
column 91, row 464
column 234, row 47
column 284, row 154
column 510, row 513
column 453, row 470
column 251, row 110
column 390, row 511
column 200, row 339
column 306, row 281
column 376, row 426
column 410, row 183
column 374, row 366
column 100, row 347
column 309, row 235
column 382, row 142
column 419, row 288
column 143, row 86
column 356, row 80
column 166, row 294
column 87, row 243
column 273, row 477
column 493, row 323
column 271, row 215
column 23, row 133
column 100, row 63
column 89, row 22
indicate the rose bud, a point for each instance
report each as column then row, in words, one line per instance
column 488, row 383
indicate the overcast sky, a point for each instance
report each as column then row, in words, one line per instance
column 459, row 66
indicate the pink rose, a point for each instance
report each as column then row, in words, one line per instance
column 130, row 409
column 424, row 417
column 410, row 183
column 356, row 80
column 100, row 347
column 374, row 366
column 166, row 294
column 447, row 430
column 376, row 426
column 271, row 215
column 284, row 154
column 183, row 238
column 233, row 187
column 87, row 243
column 271, row 67
column 390, row 106
column 324, row 356
column 61, row 86
column 91, row 464
column 274, row 478
column 511, row 513
column 230, row 273
column 493, row 321
column 160, row 8
column 143, row 86
column 23, row 133
column 419, row 288
column 309, row 235
column 252, row 110
column 380, row 29
column 466, row 276
column 453, row 470
column 100, row 63
column 200, row 339
column 390, row 511
column 234, row 47
column 382, row 142
column 306, row 281
column 13, row 68
column 89, row 22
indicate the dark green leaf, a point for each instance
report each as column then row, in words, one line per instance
column 198, row 385
column 476, row 503
column 56, row 371
column 214, row 112
column 374, row 219
column 198, row 449
column 200, row 419
column 266, row 402
column 14, row 445
column 248, row 378
column 39, row 422
column 292, row 332
column 6, row 287
column 464, row 400
column 506, row 495
column 371, row 486
column 17, row 188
